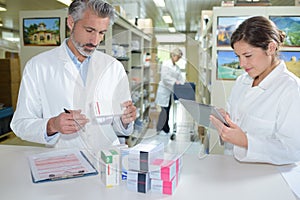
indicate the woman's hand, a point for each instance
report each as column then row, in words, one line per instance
column 232, row 134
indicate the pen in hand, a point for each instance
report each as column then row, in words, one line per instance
column 77, row 123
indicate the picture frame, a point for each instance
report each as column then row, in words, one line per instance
column 292, row 61
column 226, row 25
column 228, row 67
column 43, row 31
column 291, row 26
column 68, row 31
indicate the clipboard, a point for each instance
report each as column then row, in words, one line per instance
column 200, row 113
column 59, row 165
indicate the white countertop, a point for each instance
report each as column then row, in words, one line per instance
column 212, row 178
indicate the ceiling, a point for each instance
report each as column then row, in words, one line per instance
column 185, row 13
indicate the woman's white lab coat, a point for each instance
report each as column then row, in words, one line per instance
column 269, row 114
column 51, row 82
column 170, row 73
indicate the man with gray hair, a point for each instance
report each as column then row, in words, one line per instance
column 60, row 87
column 170, row 75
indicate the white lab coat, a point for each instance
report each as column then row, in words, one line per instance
column 269, row 114
column 169, row 75
column 51, row 82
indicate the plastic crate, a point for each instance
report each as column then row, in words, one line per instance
column 185, row 91
column 5, row 119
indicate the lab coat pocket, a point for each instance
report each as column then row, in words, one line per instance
column 258, row 126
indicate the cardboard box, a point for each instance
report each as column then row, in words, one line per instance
column 120, row 10
column 110, row 165
column 164, row 187
column 138, row 181
column 143, row 154
column 10, row 81
column 165, row 169
column 146, row 25
column 123, row 151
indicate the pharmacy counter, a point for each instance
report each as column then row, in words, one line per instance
column 214, row 177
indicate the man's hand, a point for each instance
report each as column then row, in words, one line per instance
column 65, row 122
column 129, row 114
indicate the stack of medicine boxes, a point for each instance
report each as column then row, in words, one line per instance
column 165, row 173
column 151, row 169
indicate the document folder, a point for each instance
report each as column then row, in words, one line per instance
column 59, row 165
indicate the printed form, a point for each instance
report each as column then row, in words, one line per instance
column 59, row 164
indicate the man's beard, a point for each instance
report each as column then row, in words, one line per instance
column 80, row 47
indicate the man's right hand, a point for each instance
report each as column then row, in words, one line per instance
column 65, row 123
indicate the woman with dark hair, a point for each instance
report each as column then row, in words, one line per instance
column 264, row 105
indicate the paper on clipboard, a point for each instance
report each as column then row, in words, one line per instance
column 58, row 165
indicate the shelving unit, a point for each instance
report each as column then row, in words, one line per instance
column 204, row 58
column 132, row 47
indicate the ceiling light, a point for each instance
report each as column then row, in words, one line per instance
column 66, row 2
column 160, row 3
column 172, row 29
column 2, row 7
column 167, row 19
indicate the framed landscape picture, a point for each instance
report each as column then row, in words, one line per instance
column 292, row 61
column 226, row 26
column 291, row 26
column 41, row 31
column 228, row 67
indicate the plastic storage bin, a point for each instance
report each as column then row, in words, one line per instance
column 5, row 119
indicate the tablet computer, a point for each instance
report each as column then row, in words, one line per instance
column 201, row 112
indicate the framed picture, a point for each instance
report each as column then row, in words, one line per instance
column 291, row 26
column 41, row 31
column 226, row 26
column 68, row 31
column 292, row 61
column 228, row 67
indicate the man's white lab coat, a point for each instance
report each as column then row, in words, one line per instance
column 269, row 114
column 170, row 73
column 51, row 82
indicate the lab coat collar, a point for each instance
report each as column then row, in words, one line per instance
column 63, row 52
column 269, row 80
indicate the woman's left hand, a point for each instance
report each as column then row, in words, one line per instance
column 232, row 134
